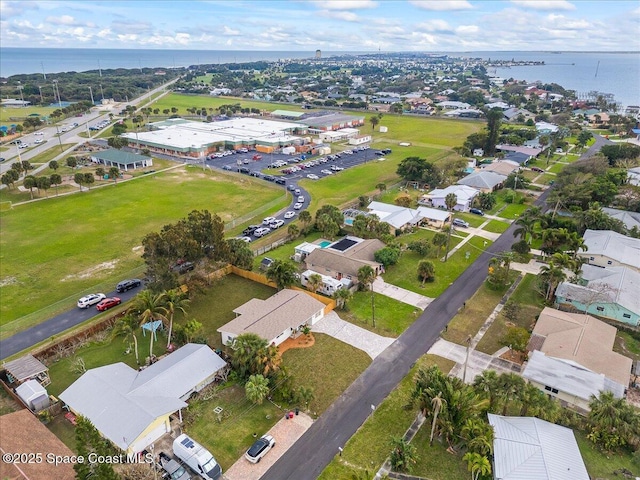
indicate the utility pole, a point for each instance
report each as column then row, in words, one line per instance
column 91, row 92
column 373, row 306
column 466, row 360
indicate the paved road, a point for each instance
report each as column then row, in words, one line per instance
column 58, row 324
column 319, row 445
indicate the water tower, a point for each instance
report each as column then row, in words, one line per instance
column 318, row 53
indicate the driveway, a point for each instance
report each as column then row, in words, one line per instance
column 400, row 294
column 285, row 433
column 346, row 332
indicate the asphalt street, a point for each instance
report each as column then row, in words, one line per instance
column 54, row 326
column 319, row 445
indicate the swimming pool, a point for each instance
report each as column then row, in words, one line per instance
column 325, row 244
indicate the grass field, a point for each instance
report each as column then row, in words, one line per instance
column 63, row 246
column 369, row 447
column 6, row 114
column 392, row 317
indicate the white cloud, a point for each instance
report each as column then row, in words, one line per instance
column 339, row 15
column 441, row 5
column 545, row 4
column 344, row 4
column 467, row 29
column 229, row 32
column 434, row 26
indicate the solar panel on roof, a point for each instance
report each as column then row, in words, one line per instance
column 343, row 244
column 187, row 442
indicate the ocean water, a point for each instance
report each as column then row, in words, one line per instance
column 616, row 73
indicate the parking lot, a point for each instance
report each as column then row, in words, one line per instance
column 287, row 170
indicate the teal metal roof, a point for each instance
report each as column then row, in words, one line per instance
column 118, row 156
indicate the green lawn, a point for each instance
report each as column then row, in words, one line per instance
column 531, row 305
column 98, row 354
column 496, row 226
column 98, row 233
column 404, row 273
column 602, row 465
column 328, row 368
column 392, row 317
column 214, row 307
column 627, row 345
column 286, row 251
column 556, row 168
column 6, row 113
column 434, row 462
column 513, row 210
column 368, row 448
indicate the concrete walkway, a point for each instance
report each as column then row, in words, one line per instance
column 371, row 343
column 400, row 294
column 285, row 433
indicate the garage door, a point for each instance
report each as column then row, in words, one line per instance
column 149, row 438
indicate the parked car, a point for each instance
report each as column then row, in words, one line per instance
column 268, row 220
column 108, row 303
column 281, row 181
column 289, row 214
column 261, row 232
column 91, row 299
column 174, row 470
column 300, row 199
column 291, row 187
column 183, row 267
column 458, row 222
column 313, row 176
column 326, row 172
column 276, row 224
column 476, row 211
column 260, row 448
column 128, row 284
column 250, row 229
column 537, row 169
column 257, row 157
column 245, row 239
column 297, row 191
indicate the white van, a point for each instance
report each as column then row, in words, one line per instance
column 198, row 458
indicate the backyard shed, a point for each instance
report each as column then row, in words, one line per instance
column 33, row 395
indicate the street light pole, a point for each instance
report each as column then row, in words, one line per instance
column 91, row 92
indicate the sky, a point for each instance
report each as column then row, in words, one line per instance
column 330, row 25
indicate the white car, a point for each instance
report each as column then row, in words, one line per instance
column 39, row 133
column 268, row 220
column 91, row 299
column 297, row 206
column 245, row 239
column 39, row 141
column 300, row 199
column 313, row 176
column 290, row 214
column 326, row 172
column 336, row 168
column 276, row 224
column 260, row 448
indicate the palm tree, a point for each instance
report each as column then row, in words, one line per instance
column 511, row 384
column 374, row 121
column 314, row 282
column 366, row 276
column 342, row 297
column 552, row 275
column 257, row 389
column 488, row 383
column 451, row 200
column 149, row 307
column 245, row 353
column 293, row 231
column 381, row 186
column 478, row 436
column 526, row 226
column 426, row 270
column 575, row 242
column 403, row 454
column 126, row 327
column 305, row 218
column 436, row 404
column 282, row 273
column 477, row 465
column 174, row 301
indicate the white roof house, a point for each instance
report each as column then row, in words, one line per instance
column 630, row 219
column 274, row 319
column 453, row 105
column 463, row 193
column 131, row 408
column 400, row 217
column 607, row 248
column 483, row 180
column 527, row 448
column 568, row 381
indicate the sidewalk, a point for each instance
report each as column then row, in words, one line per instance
column 400, row 294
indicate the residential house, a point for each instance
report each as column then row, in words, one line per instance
column 274, row 319
column 503, row 167
column 122, row 160
column 571, row 383
column 629, row 219
column 484, row 180
column 526, row 448
column 131, row 408
column 450, row 105
column 610, row 292
column 516, row 114
column 545, row 128
column 23, row 433
column 464, row 195
column 501, row 105
column 464, row 113
column 401, row 218
column 582, row 339
column 606, row 248
column 343, row 258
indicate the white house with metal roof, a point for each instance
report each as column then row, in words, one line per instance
column 606, row 248
column 569, row 382
column 630, row 219
column 131, row 408
column 274, row 319
column 527, row 448
column 484, row 180
column 610, row 292
column 402, row 217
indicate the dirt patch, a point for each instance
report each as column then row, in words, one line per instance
column 303, row 341
column 513, row 356
column 6, row 281
column 139, row 250
column 92, row 271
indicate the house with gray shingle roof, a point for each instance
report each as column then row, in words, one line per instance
column 483, row 180
column 526, row 448
column 606, row 248
column 274, row 319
